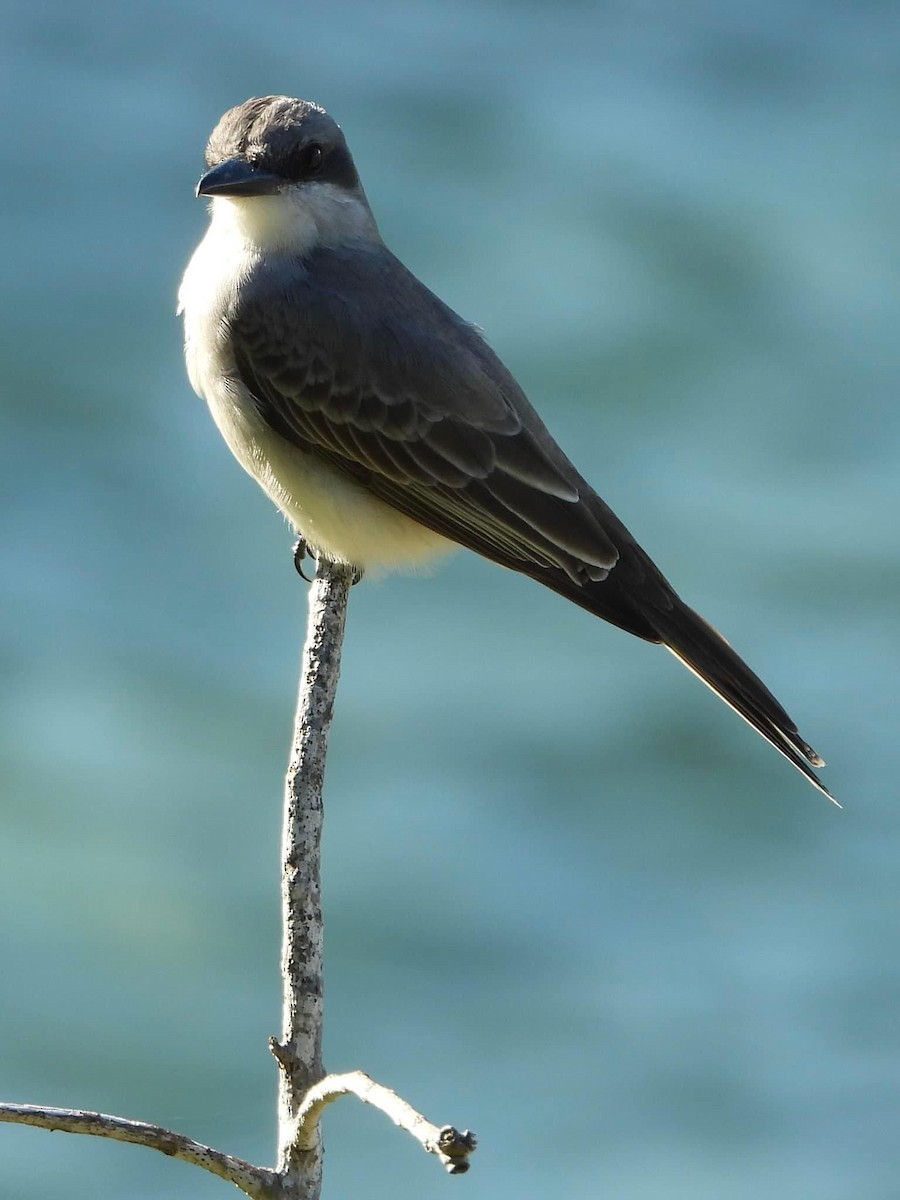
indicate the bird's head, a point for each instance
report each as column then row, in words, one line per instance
column 281, row 171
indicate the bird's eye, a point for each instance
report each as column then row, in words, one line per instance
column 303, row 162
column 311, row 158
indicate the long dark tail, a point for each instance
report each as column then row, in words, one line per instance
column 636, row 597
column 709, row 656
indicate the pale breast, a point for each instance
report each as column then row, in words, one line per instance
column 337, row 517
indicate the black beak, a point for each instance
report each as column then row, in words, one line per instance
column 237, row 177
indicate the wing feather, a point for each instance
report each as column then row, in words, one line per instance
column 401, row 394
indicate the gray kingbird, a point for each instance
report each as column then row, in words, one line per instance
column 381, row 423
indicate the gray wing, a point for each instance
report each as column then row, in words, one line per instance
column 354, row 361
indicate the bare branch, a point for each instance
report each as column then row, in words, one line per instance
column 303, row 1092
column 299, row 1051
column 450, row 1145
column 257, row 1182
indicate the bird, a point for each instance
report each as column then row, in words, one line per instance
column 381, row 423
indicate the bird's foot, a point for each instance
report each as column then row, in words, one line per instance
column 300, row 553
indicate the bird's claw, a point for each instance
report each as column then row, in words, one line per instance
column 300, row 553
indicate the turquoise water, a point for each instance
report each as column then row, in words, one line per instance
column 651, row 961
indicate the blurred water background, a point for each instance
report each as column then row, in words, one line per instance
column 653, row 962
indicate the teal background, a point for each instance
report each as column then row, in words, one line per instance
column 572, row 902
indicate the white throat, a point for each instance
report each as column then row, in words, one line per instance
column 295, row 220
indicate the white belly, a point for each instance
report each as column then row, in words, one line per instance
column 336, row 516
